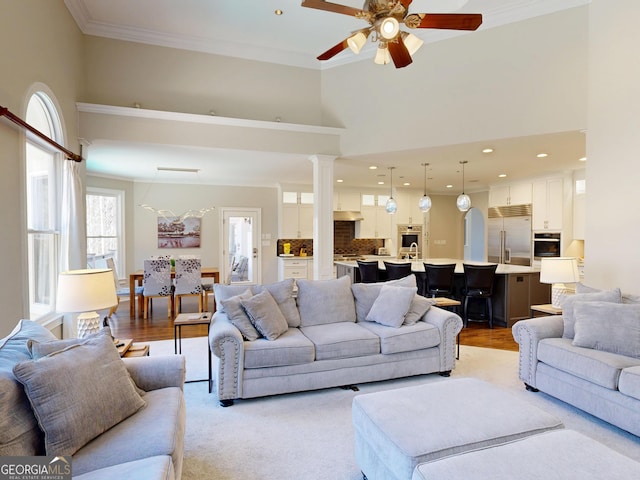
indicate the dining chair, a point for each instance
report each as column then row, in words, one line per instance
column 478, row 284
column 439, row 279
column 156, row 282
column 121, row 291
column 397, row 270
column 368, row 271
column 188, row 282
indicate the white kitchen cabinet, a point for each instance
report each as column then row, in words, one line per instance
column 296, row 268
column 376, row 223
column 548, row 204
column 505, row 195
column 579, row 204
column 408, row 211
column 346, row 201
column 297, row 218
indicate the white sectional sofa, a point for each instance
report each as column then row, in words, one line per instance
column 588, row 357
column 77, row 398
column 330, row 334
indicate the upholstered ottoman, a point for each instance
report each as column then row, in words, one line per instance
column 398, row 429
column 557, row 455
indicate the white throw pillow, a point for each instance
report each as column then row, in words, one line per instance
column 392, row 305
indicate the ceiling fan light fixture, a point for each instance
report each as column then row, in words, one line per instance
column 389, row 28
column 412, row 42
column 357, row 41
column 382, row 54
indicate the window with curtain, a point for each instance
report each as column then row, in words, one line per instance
column 42, row 186
column 105, row 227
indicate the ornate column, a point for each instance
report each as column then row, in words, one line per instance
column 322, row 216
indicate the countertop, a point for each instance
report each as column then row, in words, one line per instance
column 418, row 265
column 295, row 257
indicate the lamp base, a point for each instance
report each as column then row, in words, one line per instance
column 558, row 290
column 88, row 323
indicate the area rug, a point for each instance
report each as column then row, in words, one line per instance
column 309, row 435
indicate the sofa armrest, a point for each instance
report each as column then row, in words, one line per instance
column 528, row 333
column 153, row 373
column 227, row 345
column 449, row 325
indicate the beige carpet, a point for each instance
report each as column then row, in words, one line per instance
column 309, row 435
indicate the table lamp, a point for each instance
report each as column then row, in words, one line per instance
column 557, row 271
column 86, row 291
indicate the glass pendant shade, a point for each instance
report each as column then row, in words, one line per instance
column 424, row 203
column 463, row 202
column 391, row 206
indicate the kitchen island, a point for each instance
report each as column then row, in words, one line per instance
column 516, row 287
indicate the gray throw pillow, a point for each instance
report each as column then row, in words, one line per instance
column 265, row 315
column 419, row 306
column 223, row 292
column 325, row 301
column 392, row 305
column 610, row 327
column 366, row 293
column 282, row 293
column 238, row 317
column 568, row 302
column 78, row 393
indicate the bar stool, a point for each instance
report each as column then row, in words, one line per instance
column 368, row 271
column 439, row 280
column 478, row 283
column 397, row 270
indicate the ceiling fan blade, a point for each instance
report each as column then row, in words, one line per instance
column 332, row 7
column 448, row 21
column 333, row 51
column 406, row 3
column 399, row 53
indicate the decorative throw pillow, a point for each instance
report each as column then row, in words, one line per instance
column 392, row 305
column 366, row 293
column 419, row 306
column 569, row 301
column 611, row 327
column 282, row 293
column 223, row 292
column 265, row 315
column 238, row 317
column 325, row 301
column 78, row 393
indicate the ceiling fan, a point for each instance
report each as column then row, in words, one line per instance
column 385, row 17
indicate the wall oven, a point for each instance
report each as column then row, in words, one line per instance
column 410, row 241
column 546, row 245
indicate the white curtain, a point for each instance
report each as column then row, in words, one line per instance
column 73, row 234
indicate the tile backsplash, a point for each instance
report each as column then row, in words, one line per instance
column 344, row 242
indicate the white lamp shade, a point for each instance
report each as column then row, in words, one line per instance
column 559, row 270
column 356, row 42
column 85, row 290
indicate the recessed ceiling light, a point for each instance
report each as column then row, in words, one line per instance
column 278, row 11
column 449, row 186
column 373, row 167
column 542, row 155
column 380, row 183
column 487, row 150
column 339, row 180
column 583, row 159
column 406, row 184
column 502, row 175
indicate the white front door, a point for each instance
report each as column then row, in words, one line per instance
column 240, row 242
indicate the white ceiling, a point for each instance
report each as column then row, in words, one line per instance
column 239, row 28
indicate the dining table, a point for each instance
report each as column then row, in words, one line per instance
column 136, row 277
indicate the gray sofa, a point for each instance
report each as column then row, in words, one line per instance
column 331, row 334
column 588, row 357
column 115, row 418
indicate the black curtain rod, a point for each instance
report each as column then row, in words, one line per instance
column 4, row 112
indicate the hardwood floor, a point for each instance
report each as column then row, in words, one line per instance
column 159, row 327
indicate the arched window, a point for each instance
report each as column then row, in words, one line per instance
column 42, row 187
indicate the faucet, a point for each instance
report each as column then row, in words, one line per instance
column 410, row 247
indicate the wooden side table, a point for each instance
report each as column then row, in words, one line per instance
column 545, row 308
column 186, row 319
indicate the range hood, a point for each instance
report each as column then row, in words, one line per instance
column 346, row 216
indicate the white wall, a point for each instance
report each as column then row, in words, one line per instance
column 613, row 146
column 39, row 42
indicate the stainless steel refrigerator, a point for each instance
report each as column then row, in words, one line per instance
column 510, row 235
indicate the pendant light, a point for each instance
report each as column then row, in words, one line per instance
column 391, row 206
column 425, row 201
column 463, row 202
